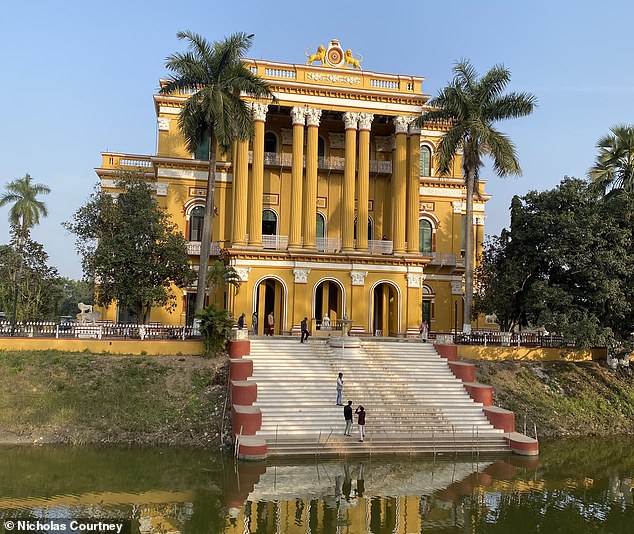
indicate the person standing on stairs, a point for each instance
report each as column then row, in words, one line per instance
column 305, row 332
column 347, row 415
column 360, row 411
column 340, row 390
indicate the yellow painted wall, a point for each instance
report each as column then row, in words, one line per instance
column 530, row 354
column 136, row 346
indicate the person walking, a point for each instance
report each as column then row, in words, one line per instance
column 424, row 330
column 241, row 322
column 360, row 411
column 347, row 415
column 254, row 323
column 270, row 320
column 340, row 390
column 305, row 332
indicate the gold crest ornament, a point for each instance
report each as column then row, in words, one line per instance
column 334, row 56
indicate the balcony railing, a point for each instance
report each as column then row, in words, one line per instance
column 328, row 244
column 275, row 242
column 380, row 247
column 276, row 159
column 193, row 248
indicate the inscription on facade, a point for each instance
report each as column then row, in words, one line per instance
column 333, row 78
column 197, row 192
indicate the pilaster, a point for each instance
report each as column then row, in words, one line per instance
column 241, row 193
column 413, row 195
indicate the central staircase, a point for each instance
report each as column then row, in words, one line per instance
column 414, row 403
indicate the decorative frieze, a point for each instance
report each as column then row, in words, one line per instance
column 336, row 140
column 457, row 288
column 313, row 116
column 401, row 124
column 414, row 280
column 358, row 277
column 301, row 275
column 287, row 136
column 243, row 273
column 384, row 143
column 259, row 111
column 365, row 121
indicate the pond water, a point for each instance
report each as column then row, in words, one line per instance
column 573, row 486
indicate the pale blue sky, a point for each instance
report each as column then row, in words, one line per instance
column 78, row 78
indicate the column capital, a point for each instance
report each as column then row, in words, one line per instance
column 365, row 121
column 401, row 124
column 413, row 129
column 259, row 111
column 298, row 115
column 313, row 116
column 351, row 120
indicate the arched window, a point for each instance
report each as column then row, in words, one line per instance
column 321, row 147
column 321, row 226
column 270, row 142
column 370, row 228
column 196, row 218
column 425, row 234
column 425, row 161
column 269, row 222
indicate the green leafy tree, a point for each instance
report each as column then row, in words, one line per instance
column 220, row 275
column 38, row 286
column 471, row 105
column 215, row 327
column 214, row 113
column 566, row 264
column 25, row 213
column 131, row 248
column 614, row 166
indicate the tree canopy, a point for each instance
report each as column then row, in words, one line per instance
column 131, row 248
column 26, row 209
column 567, row 264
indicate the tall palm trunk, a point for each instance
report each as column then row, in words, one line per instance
column 205, row 245
column 469, row 256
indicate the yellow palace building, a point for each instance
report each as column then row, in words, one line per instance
column 332, row 210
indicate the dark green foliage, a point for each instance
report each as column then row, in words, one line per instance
column 215, row 327
column 566, row 264
column 27, row 280
column 131, row 248
column 75, row 291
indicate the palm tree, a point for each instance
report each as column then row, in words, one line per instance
column 23, row 215
column 26, row 210
column 614, row 167
column 216, row 77
column 469, row 105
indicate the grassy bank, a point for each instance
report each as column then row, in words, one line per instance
column 564, row 399
column 58, row 397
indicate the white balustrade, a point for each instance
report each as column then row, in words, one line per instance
column 328, row 244
column 275, row 242
column 193, row 248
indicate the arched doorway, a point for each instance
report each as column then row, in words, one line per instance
column 328, row 301
column 385, row 309
column 270, row 296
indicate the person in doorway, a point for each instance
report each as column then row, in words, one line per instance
column 254, row 323
column 241, row 322
column 305, row 332
column 340, row 390
column 360, row 411
column 424, row 330
column 270, row 323
column 347, row 415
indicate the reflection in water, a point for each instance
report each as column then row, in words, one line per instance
column 583, row 486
